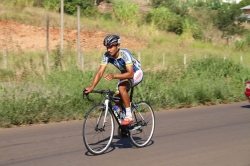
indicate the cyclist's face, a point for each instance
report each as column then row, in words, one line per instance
column 112, row 50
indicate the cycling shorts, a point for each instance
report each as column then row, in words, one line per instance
column 138, row 76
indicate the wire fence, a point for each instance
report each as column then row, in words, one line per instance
column 80, row 59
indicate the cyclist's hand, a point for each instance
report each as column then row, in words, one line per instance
column 109, row 77
column 87, row 90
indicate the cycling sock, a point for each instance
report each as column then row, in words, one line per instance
column 128, row 112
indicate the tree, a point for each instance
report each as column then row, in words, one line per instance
column 70, row 6
column 244, row 3
column 227, row 20
column 175, row 6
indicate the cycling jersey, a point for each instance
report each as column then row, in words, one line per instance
column 125, row 59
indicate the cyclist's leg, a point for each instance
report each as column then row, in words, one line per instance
column 123, row 87
column 117, row 94
column 138, row 76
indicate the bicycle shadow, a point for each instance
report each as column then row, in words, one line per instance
column 245, row 106
column 124, row 143
column 121, row 143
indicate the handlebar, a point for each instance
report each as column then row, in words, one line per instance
column 107, row 92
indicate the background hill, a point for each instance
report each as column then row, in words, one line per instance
column 30, row 25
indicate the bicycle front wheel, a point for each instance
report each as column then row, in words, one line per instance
column 97, row 132
column 142, row 128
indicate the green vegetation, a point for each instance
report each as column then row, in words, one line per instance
column 31, row 92
column 125, row 12
column 57, row 95
column 227, row 18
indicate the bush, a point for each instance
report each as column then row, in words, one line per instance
column 53, row 5
column 126, row 12
column 70, row 6
column 164, row 19
column 214, row 4
column 192, row 28
column 173, row 5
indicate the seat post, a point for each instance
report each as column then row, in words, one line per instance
column 131, row 93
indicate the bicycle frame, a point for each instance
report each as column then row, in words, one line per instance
column 108, row 105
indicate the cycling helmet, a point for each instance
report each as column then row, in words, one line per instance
column 111, row 40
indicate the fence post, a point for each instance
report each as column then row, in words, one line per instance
column 78, row 35
column 4, row 59
column 47, row 43
column 62, row 28
column 241, row 59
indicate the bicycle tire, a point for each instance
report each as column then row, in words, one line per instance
column 142, row 128
column 96, row 139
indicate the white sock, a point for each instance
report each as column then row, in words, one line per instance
column 128, row 112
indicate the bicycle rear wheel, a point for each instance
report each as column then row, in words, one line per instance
column 142, row 128
column 97, row 137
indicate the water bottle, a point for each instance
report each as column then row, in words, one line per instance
column 116, row 110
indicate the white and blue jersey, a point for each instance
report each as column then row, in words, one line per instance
column 125, row 59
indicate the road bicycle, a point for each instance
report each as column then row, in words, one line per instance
column 99, row 126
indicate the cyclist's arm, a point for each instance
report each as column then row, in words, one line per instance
column 127, row 75
column 97, row 78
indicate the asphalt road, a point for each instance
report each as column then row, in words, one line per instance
column 202, row 136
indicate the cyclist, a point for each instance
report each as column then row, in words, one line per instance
column 131, row 73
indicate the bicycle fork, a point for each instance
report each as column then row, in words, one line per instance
column 106, row 103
